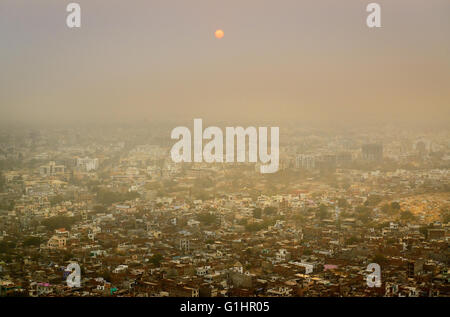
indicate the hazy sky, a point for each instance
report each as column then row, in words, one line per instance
column 279, row 60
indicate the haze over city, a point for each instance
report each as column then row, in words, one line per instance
column 278, row 61
column 236, row 149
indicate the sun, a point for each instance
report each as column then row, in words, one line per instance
column 219, row 34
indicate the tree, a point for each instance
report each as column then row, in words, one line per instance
column 257, row 213
column 342, row 203
column 254, row 227
column 156, row 259
column 204, row 182
column 7, row 247
column 363, row 213
column 58, row 222
column 107, row 275
column 346, row 185
column 445, row 216
column 199, row 193
column 299, row 218
column 11, row 205
column 32, row 241
column 322, row 212
column 307, row 252
column 56, row 200
column 386, row 209
column 18, row 293
column 108, row 198
column 269, row 211
column 98, row 209
column 424, row 230
column 352, row 240
column 407, row 215
column 379, row 259
column 207, row 218
column 395, row 206
column 374, row 200
column 2, row 181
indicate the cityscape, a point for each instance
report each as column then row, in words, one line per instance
column 224, row 156
column 111, row 200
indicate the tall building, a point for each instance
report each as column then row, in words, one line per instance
column 327, row 163
column 414, row 268
column 87, row 164
column 51, row 169
column 184, row 245
column 372, row 152
column 343, row 158
column 305, row 161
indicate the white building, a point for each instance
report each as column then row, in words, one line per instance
column 120, row 268
column 305, row 161
column 87, row 164
column 52, row 169
column 57, row 242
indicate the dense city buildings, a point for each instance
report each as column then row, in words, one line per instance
column 111, row 200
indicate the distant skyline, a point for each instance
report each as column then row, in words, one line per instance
column 287, row 60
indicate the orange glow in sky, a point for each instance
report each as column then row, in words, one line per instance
column 219, row 34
